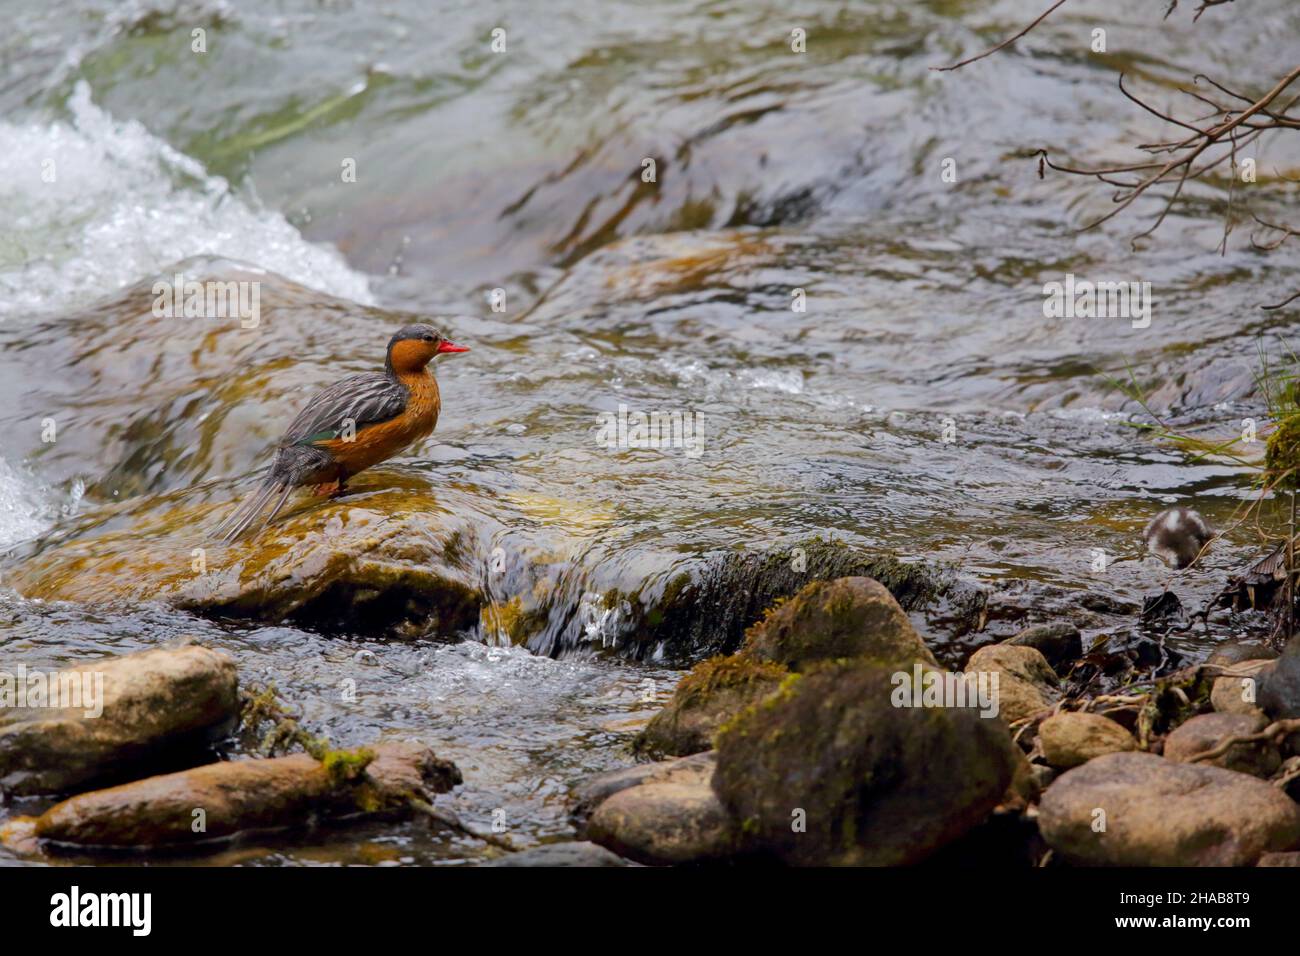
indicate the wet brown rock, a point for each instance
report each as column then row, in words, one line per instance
column 1025, row 787
column 594, row 791
column 154, row 703
column 1279, row 859
column 1279, row 690
column 575, row 853
column 390, row 557
column 1161, row 813
column 19, row 835
column 1235, row 652
column 1074, row 738
column 670, row 819
column 245, row 795
column 710, row 695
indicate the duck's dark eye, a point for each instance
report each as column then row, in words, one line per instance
column 428, row 338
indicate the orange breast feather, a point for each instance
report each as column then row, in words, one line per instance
column 375, row 443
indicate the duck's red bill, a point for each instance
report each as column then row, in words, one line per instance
column 451, row 347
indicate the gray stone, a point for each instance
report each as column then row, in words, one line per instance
column 674, row 819
column 592, row 792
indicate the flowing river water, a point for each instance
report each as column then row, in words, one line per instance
column 921, row 402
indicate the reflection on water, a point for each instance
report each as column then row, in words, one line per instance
column 521, row 172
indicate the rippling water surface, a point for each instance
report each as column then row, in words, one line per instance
column 521, row 172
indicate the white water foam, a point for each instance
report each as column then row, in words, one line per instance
column 789, row 381
column 123, row 205
column 27, row 509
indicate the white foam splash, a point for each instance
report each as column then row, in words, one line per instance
column 123, row 205
column 26, row 509
column 691, row 371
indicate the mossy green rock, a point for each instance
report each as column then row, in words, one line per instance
column 706, row 610
column 710, row 695
column 1282, row 450
column 847, row 617
column 872, row 784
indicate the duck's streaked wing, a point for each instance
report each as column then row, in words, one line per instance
column 363, row 399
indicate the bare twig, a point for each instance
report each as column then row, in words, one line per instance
column 1278, row 729
column 1205, row 5
column 1001, row 46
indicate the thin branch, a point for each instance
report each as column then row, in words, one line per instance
column 1001, row 46
column 1231, row 128
column 1278, row 729
column 1281, row 305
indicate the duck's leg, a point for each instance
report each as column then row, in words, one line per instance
column 333, row 489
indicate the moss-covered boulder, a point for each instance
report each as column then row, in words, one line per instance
column 710, row 695
column 846, row 617
column 828, row 771
column 128, row 712
column 1282, row 449
column 222, row 799
column 825, row 620
column 705, row 609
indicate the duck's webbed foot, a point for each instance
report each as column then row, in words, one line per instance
column 330, row 489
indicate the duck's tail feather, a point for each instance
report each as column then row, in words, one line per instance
column 239, row 520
